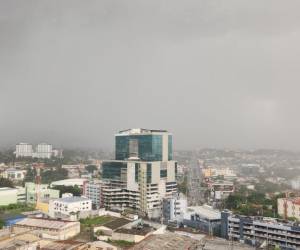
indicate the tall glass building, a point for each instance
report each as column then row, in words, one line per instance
column 143, row 172
column 144, row 144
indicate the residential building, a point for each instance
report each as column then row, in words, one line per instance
column 174, row 208
column 260, row 231
column 45, row 193
column 289, row 207
column 8, row 196
column 65, row 245
column 100, row 245
column 143, row 173
column 93, row 190
column 69, row 207
column 43, row 151
column 49, row 228
column 221, row 189
column 24, row 150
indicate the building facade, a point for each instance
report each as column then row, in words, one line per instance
column 8, row 196
column 174, row 208
column 93, row 190
column 43, row 151
column 260, row 231
column 24, row 150
column 45, row 193
column 143, row 173
column 69, row 207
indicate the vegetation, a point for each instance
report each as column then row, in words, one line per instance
column 76, row 191
column 252, row 203
column 49, row 176
column 14, row 209
column 121, row 243
column 6, row 183
column 96, row 220
column 2, row 223
column 91, row 168
column 182, row 187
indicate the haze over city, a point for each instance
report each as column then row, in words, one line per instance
column 214, row 73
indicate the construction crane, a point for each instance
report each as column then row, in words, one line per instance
column 38, row 180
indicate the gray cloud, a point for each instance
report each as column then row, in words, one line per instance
column 215, row 73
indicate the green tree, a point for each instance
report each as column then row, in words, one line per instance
column 76, row 191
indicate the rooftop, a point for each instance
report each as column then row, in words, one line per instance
column 167, row 241
column 45, row 223
column 63, row 245
column 135, row 231
column 115, row 224
column 135, row 131
column 72, row 199
column 6, row 189
column 205, row 211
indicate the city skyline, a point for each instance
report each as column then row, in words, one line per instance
column 215, row 74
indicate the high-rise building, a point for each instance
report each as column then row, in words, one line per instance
column 93, row 190
column 24, row 150
column 44, row 151
column 143, row 173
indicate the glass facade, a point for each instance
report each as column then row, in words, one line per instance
column 149, row 172
column 137, row 172
column 112, row 170
column 150, row 147
column 163, row 173
column 170, row 148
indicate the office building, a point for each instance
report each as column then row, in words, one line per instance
column 260, row 231
column 93, row 190
column 143, row 173
column 24, row 150
column 68, row 207
column 289, row 207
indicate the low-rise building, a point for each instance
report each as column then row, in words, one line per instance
column 260, row 231
column 97, row 245
column 14, row 174
column 69, row 207
column 65, row 245
column 289, row 207
column 45, row 193
column 203, row 218
column 49, row 228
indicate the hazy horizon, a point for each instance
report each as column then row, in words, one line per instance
column 216, row 74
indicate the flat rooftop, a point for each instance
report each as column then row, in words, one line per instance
column 45, row 223
column 205, row 211
column 115, row 224
column 72, row 199
column 167, row 241
column 135, row 231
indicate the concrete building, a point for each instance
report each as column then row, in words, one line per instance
column 97, row 245
column 24, row 150
column 174, row 208
column 50, row 229
column 93, row 190
column 143, row 173
column 69, row 207
column 289, row 207
column 260, row 231
column 46, row 193
column 14, row 174
column 204, row 218
column 8, row 196
column 43, row 151
column 221, row 189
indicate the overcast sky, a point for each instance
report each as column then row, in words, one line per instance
column 214, row 73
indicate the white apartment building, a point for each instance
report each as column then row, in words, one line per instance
column 93, row 190
column 24, row 150
column 289, row 207
column 174, row 208
column 69, row 207
column 43, row 151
